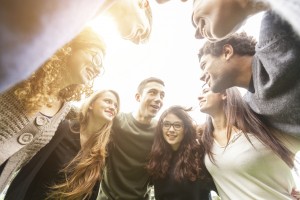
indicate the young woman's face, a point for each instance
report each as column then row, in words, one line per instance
column 105, row 107
column 173, row 130
column 132, row 19
column 84, row 65
column 211, row 103
column 216, row 19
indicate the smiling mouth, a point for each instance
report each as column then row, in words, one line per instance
column 201, row 103
column 91, row 74
column 110, row 113
column 172, row 136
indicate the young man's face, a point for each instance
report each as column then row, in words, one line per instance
column 216, row 72
column 132, row 19
column 151, row 99
column 216, row 19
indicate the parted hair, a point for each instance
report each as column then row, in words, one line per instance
column 189, row 163
column 239, row 115
column 86, row 169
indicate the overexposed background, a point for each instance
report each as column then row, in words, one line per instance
column 170, row 54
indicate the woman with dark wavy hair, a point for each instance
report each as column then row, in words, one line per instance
column 246, row 158
column 176, row 159
column 32, row 110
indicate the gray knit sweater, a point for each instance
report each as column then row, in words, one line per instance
column 275, row 92
column 21, row 137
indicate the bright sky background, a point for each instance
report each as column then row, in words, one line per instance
column 170, row 54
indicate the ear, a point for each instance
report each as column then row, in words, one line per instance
column 224, row 96
column 138, row 97
column 228, row 51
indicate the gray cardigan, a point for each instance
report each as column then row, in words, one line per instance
column 21, row 137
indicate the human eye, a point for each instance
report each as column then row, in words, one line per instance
column 162, row 95
column 177, row 125
column 202, row 66
column 152, row 92
column 108, row 101
column 166, row 124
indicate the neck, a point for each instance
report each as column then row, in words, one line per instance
column 219, row 123
column 244, row 71
column 92, row 127
column 142, row 119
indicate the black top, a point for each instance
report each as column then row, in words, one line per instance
column 42, row 170
column 170, row 189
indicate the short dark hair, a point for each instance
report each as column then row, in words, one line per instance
column 240, row 42
column 142, row 85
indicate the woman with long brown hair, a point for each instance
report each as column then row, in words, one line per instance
column 176, row 161
column 246, row 158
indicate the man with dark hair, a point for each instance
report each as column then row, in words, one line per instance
column 271, row 74
column 125, row 176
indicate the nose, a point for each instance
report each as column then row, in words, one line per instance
column 113, row 108
column 203, row 76
column 199, row 28
column 171, row 128
column 142, row 34
column 198, row 35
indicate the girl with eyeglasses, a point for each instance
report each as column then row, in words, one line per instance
column 176, row 159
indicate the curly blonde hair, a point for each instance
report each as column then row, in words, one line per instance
column 42, row 87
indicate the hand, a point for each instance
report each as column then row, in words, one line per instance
column 295, row 193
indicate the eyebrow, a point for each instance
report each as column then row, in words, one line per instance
column 202, row 65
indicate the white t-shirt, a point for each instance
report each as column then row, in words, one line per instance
column 244, row 172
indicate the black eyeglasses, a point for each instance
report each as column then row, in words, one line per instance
column 176, row 125
column 97, row 61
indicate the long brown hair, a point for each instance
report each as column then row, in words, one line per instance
column 83, row 172
column 189, row 161
column 41, row 88
column 239, row 115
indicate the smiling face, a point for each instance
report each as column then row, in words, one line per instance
column 217, row 72
column 211, row 103
column 133, row 18
column 173, row 130
column 84, row 65
column 105, row 107
column 151, row 99
column 216, row 19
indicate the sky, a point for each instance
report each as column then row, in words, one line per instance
column 170, row 54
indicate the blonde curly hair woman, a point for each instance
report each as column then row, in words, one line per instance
column 32, row 110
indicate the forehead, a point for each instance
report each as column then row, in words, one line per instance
column 204, row 59
column 155, row 86
column 108, row 95
column 172, row 118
